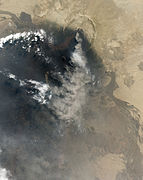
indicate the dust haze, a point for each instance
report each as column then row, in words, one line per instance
column 71, row 90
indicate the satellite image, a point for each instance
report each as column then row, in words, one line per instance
column 71, row 80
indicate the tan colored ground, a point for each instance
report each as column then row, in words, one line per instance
column 115, row 29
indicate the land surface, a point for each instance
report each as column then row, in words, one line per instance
column 111, row 147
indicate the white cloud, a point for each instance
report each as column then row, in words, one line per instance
column 4, row 173
column 78, row 56
column 25, row 35
column 42, row 88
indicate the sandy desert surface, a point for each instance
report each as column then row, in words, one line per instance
column 111, row 148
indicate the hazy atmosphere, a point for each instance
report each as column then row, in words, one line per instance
column 71, row 80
